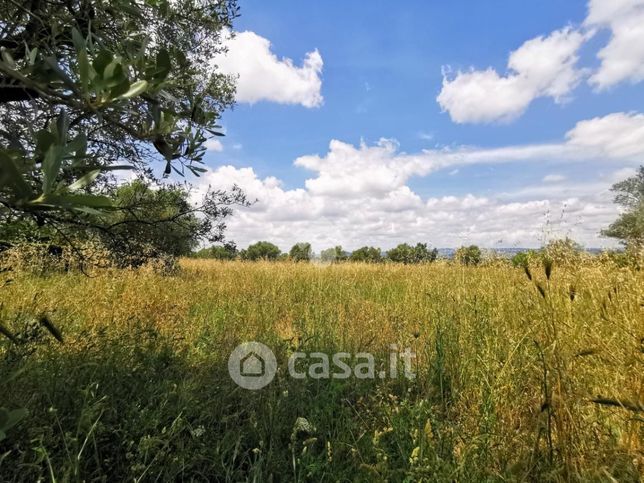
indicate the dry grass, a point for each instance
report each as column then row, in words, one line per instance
column 507, row 373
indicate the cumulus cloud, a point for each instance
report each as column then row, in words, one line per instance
column 262, row 76
column 546, row 66
column 359, row 195
column 622, row 58
column 287, row 216
column 347, row 171
column 541, row 67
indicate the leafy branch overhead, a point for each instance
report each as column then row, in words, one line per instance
column 91, row 87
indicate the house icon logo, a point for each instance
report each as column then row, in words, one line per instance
column 252, row 365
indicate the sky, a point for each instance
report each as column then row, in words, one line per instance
column 497, row 123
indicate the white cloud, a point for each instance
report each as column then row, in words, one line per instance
column 265, row 77
column 553, row 178
column 541, row 67
column 347, row 171
column 360, row 195
column 623, row 57
column 289, row 216
column 552, row 191
column 622, row 174
column 547, row 66
column 618, row 135
column 213, row 144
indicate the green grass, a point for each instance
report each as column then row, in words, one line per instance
column 506, row 376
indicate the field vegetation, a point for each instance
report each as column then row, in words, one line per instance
column 528, row 373
column 120, row 301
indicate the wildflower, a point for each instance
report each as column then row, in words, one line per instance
column 429, row 434
column 413, row 459
column 302, row 428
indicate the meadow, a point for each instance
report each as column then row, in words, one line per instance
column 521, row 375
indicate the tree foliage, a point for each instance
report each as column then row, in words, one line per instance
column 261, row 250
column 301, row 252
column 226, row 251
column 470, row 255
column 366, row 254
column 334, row 255
column 521, row 259
column 90, row 87
column 408, row 254
column 629, row 226
column 156, row 220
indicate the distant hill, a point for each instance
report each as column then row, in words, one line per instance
column 505, row 251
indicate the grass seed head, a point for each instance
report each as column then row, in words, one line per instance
column 547, row 265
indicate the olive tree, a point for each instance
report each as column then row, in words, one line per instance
column 408, row 254
column 261, row 250
column 88, row 88
column 301, row 252
column 366, row 254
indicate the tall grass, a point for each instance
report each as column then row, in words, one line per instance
column 518, row 379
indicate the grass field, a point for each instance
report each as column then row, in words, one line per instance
column 514, row 382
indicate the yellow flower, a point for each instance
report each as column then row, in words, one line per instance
column 413, row 459
column 428, row 430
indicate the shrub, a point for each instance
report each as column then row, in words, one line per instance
column 629, row 258
column 468, row 255
column 563, row 250
column 520, row 260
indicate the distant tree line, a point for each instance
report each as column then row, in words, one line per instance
column 628, row 228
column 302, row 252
column 564, row 250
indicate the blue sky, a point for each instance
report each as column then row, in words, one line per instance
column 454, row 121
